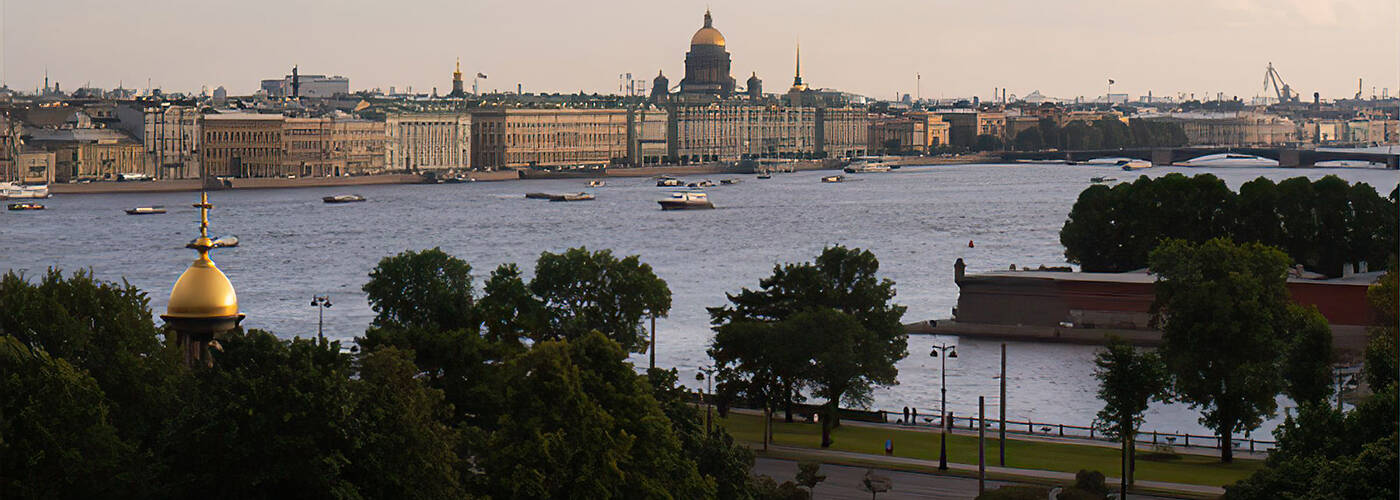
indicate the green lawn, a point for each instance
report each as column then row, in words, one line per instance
column 1189, row 469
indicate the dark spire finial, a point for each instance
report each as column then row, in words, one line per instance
column 708, row 20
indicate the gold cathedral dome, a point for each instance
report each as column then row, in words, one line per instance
column 707, row 35
column 203, row 291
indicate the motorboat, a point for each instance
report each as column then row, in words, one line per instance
column 572, row 197
column 765, row 175
column 686, row 201
column 28, row 205
column 1130, row 165
column 538, row 196
column 867, row 167
column 219, row 242
column 16, row 191
column 834, row 178
column 343, row 198
column 702, row 184
column 596, row 183
column 669, row 182
column 729, row 182
column 1097, row 180
column 156, row 209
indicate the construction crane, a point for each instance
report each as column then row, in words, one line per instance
column 1284, row 92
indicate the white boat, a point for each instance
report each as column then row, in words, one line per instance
column 686, row 201
column 157, row 209
column 1131, row 165
column 343, row 198
column 866, row 167
column 14, row 191
column 834, row 178
column 596, row 183
column 669, row 182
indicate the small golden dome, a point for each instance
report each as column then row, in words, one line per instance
column 202, row 292
column 707, row 35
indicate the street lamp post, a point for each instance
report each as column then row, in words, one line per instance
column 321, row 303
column 949, row 351
column 707, row 376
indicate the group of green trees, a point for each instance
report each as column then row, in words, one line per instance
column 1327, row 452
column 1323, row 224
column 521, row 391
column 1104, row 133
column 1232, row 341
column 828, row 327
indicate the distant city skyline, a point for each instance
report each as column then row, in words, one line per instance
column 961, row 49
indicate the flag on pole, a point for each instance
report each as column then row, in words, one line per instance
column 1110, row 81
column 481, row 75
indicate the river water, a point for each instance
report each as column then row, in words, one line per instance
column 917, row 221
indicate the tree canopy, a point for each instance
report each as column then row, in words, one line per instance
column 1323, row 225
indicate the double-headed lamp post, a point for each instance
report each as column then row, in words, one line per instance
column 949, row 351
column 321, row 303
column 706, row 375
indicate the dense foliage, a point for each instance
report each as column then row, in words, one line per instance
column 1324, row 452
column 1104, row 133
column 1228, row 326
column 1323, row 224
column 1128, row 380
column 829, row 326
column 446, row 396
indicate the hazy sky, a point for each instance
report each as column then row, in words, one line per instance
column 1063, row 48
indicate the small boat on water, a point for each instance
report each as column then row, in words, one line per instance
column 571, row 197
column 1130, row 165
column 156, row 209
column 538, row 196
column 686, row 201
column 668, row 182
column 765, row 175
column 730, row 182
column 343, row 198
column 16, row 191
column 1098, row 180
column 596, row 183
column 28, row 205
column 702, row 184
column 867, row 167
column 834, row 178
column 219, row 242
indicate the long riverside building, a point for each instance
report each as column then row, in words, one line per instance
column 440, row 140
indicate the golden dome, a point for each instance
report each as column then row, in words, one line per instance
column 707, row 35
column 202, row 292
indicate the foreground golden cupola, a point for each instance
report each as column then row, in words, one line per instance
column 203, row 302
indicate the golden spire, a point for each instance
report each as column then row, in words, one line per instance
column 797, row 85
column 457, row 75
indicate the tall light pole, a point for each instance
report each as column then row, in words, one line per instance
column 706, row 375
column 949, row 351
column 321, row 303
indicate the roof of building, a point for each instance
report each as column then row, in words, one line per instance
column 707, row 35
column 1142, row 276
column 77, row 135
column 243, row 116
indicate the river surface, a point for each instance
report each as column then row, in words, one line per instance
column 916, row 220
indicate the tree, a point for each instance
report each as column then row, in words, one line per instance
column 847, row 361
column 840, row 279
column 1223, row 311
column 1128, row 381
column 717, row 456
column 508, row 311
column 1258, row 213
column 584, row 291
column 988, row 142
column 427, row 289
column 809, row 475
column 1030, row 140
column 1307, row 363
column 58, row 440
column 584, row 425
column 1382, row 368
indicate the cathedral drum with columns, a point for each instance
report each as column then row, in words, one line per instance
column 707, row 63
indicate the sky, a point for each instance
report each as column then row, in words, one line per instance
column 961, row 48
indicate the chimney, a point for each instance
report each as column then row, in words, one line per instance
column 959, row 270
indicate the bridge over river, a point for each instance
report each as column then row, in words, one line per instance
column 1286, row 157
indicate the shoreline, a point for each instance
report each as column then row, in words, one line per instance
column 185, row 185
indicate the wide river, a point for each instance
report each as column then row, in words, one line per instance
column 916, row 220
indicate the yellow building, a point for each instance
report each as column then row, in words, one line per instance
column 428, row 141
column 522, row 138
column 87, row 153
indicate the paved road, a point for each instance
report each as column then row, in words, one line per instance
column 845, row 481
